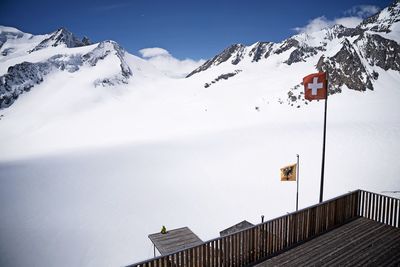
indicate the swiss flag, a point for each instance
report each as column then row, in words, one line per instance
column 315, row 86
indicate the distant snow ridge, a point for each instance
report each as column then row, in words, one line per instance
column 384, row 20
column 100, row 52
column 8, row 33
column 22, row 77
column 61, row 37
column 351, row 56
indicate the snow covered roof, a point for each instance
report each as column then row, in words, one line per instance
column 175, row 240
column 236, row 228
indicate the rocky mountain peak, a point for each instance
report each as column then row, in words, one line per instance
column 260, row 50
column 104, row 49
column 86, row 41
column 7, row 33
column 61, row 37
column 353, row 57
column 383, row 20
column 234, row 51
column 22, row 77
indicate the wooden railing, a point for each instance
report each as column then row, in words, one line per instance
column 267, row 239
column 379, row 208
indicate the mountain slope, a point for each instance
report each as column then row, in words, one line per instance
column 351, row 56
column 88, row 171
column 27, row 60
column 61, row 37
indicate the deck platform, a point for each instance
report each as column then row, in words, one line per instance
column 175, row 240
column 362, row 242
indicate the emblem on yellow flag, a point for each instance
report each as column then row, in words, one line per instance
column 288, row 173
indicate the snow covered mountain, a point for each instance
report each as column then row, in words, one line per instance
column 352, row 56
column 26, row 60
column 104, row 149
column 61, row 37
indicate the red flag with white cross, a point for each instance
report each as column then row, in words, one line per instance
column 315, row 86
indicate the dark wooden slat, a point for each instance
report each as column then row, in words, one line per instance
column 396, row 207
column 392, row 212
column 314, row 247
column 387, row 211
column 211, row 249
column 361, row 240
column 255, row 243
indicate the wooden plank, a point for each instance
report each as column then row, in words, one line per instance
column 387, row 210
column 396, row 207
column 240, row 249
column 210, row 254
column 251, row 245
column 363, row 203
column 254, row 243
column 392, row 212
column 360, row 242
column 219, row 253
column 314, row 247
column 234, row 250
column 268, row 241
column 257, row 243
column 187, row 257
column 180, row 261
column 375, row 207
column 379, row 207
column 265, row 240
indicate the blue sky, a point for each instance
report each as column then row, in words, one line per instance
column 187, row 29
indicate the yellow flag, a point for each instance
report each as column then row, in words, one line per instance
column 288, row 173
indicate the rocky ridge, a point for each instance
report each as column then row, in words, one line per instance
column 22, row 77
column 363, row 50
column 62, row 37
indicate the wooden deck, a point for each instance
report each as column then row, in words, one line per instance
column 362, row 242
column 357, row 228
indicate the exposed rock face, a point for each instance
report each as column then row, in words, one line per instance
column 86, row 41
column 103, row 50
column 347, row 67
column 354, row 55
column 259, row 50
column 7, row 51
column 286, row 45
column 225, row 76
column 60, row 37
column 22, row 77
column 302, row 53
column 384, row 20
column 7, row 34
column 379, row 51
column 235, row 51
column 353, row 75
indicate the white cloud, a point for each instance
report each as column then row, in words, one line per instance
column 153, row 52
column 362, row 11
column 355, row 15
column 349, row 22
column 168, row 64
column 314, row 25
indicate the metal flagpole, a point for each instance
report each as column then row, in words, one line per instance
column 297, row 193
column 321, row 194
